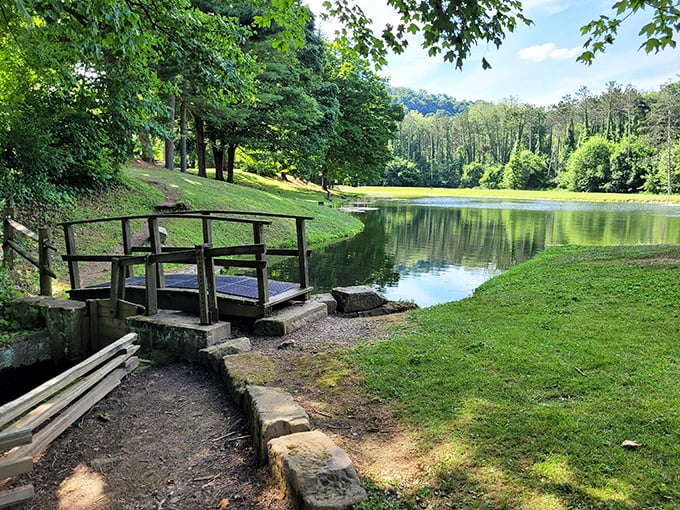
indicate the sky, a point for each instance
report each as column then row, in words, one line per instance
column 535, row 64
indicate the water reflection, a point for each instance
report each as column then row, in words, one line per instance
column 440, row 249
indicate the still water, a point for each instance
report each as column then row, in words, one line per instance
column 435, row 250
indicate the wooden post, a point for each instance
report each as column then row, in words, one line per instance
column 262, row 280
column 203, row 302
column 156, row 249
column 70, row 241
column 117, row 284
column 207, row 229
column 45, row 265
column 127, row 245
column 303, row 263
column 151, row 302
column 8, row 234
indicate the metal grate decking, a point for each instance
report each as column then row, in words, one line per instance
column 240, row 286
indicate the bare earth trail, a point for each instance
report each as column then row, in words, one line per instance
column 171, row 438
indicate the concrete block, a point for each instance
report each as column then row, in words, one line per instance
column 272, row 413
column 314, row 473
column 177, row 332
column 328, row 299
column 290, row 319
column 65, row 320
column 212, row 357
column 241, row 370
column 357, row 299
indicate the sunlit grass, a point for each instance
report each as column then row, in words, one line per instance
column 524, row 392
column 405, row 193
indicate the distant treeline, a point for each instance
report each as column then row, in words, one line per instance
column 622, row 140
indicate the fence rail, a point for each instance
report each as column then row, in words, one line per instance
column 204, row 256
column 13, row 231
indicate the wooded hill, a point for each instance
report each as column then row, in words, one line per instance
column 622, row 140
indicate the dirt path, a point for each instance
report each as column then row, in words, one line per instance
column 168, row 438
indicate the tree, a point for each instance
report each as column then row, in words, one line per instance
column 359, row 149
column 588, row 168
column 660, row 32
column 525, row 170
column 450, row 29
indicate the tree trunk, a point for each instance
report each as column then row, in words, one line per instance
column 231, row 157
column 218, row 156
column 170, row 140
column 200, row 145
column 183, row 136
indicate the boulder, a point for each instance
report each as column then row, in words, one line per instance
column 314, row 473
column 357, row 299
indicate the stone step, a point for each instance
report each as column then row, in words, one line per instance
column 272, row 413
column 177, row 332
column 290, row 318
column 212, row 357
column 314, row 473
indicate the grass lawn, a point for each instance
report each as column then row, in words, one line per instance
column 524, row 392
column 404, row 193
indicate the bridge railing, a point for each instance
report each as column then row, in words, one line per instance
column 203, row 255
column 13, row 232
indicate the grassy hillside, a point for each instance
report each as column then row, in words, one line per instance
column 144, row 187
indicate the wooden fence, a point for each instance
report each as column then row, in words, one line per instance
column 31, row 422
column 13, row 231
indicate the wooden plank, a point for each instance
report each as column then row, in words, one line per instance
column 70, row 241
column 262, row 280
column 156, row 249
column 15, row 496
column 246, row 264
column 12, row 410
column 22, row 229
column 303, row 263
column 247, row 249
column 187, row 256
column 56, row 427
column 51, row 407
column 45, row 263
column 16, row 467
column 127, row 244
column 17, row 437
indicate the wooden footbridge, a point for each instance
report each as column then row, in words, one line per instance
column 200, row 290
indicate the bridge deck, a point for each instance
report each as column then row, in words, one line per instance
column 236, row 295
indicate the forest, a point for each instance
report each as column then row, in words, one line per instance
column 195, row 84
column 622, row 140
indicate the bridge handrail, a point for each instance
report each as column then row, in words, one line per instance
column 204, row 256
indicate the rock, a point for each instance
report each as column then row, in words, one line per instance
column 287, row 344
column 357, row 299
column 314, row 473
column 242, row 370
column 272, row 413
column 328, row 299
column 212, row 357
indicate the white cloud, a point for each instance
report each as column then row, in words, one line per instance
column 548, row 51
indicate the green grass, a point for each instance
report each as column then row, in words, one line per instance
column 525, row 391
column 404, row 193
column 143, row 188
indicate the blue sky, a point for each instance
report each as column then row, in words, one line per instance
column 535, row 64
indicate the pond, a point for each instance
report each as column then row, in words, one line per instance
column 434, row 250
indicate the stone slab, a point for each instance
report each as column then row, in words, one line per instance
column 177, row 332
column 290, row 318
column 272, row 413
column 314, row 473
column 357, row 299
column 328, row 299
column 241, row 370
column 212, row 357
